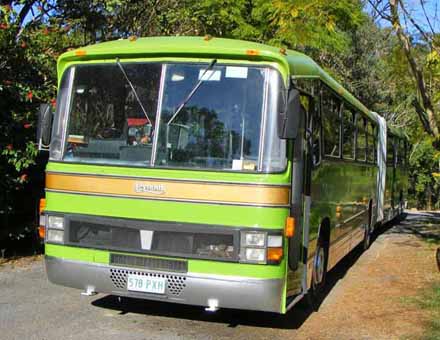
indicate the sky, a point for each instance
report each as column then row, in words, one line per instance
column 432, row 8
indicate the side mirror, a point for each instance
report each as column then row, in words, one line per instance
column 44, row 128
column 288, row 119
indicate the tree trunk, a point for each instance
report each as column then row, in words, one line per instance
column 426, row 103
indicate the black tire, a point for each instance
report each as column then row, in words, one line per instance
column 319, row 274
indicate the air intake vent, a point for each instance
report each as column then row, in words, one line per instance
column 149, row 263
column 175, row 283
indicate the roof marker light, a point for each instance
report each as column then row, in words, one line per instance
column 207, row 37
column 253, row 52
column 132, row 38
column 80, row 53
column 283, row 51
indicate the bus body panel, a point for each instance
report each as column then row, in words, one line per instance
column 341, row 192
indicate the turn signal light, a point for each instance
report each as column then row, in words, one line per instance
column 274, row 254
column 41, row 232
column 42, row 205
column 289, row 229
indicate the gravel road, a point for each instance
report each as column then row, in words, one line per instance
column 363, row 301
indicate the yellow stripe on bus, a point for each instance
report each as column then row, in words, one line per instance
column 170, row 190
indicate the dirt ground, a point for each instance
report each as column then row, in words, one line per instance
column 367, row 297
column 371, row 300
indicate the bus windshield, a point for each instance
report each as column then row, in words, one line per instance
column 153, row 114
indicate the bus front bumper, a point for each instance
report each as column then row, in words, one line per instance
column 186, row 288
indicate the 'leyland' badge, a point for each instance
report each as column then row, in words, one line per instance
column 157, row 189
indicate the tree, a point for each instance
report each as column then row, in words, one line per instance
column 392, row 11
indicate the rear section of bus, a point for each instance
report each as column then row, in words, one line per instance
column 167, row 179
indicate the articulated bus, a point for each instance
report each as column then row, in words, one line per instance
column 210, row 172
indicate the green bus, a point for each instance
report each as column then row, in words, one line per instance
column 210, row 172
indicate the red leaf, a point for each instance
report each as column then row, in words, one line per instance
column 30, row 95
column 27, row 125
column 53, row 102
column 9, row 147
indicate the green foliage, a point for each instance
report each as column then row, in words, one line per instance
column 430, row 300
column 317, row 24
column 425, row 173
column 27, row 78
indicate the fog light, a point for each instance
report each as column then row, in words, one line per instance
column 55, row 222
column 54, row 235
column 255, row 255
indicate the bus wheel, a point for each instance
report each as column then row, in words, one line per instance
column 319, row 273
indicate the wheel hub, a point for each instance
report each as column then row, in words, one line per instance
column 319, row 265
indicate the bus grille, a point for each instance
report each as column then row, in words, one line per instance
column 150, row 263
column 175, row 283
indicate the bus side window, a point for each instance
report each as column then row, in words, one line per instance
column 375, row 129
column 348, row 129
column 316, row 134
column 330, row 118
column 371, row 151
column 361, row 139
column 390, row 151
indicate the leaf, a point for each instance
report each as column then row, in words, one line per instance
column 294, row 13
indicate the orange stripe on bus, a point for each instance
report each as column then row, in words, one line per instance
column 163, row 189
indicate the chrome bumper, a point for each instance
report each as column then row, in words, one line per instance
column 185, row 288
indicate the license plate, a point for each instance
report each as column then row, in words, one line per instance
column 146, row 284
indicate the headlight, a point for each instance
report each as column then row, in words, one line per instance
column 259, row 247
column 54, row 235
column 253, row 239
column 55, row 222
column 257, row 255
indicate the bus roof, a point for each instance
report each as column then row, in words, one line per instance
column 295, row 63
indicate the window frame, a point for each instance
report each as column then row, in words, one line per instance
column 163, row 62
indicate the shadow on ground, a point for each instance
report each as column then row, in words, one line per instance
column 425, row 225
column 420, row 225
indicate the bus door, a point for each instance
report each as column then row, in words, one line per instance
column 301, row 184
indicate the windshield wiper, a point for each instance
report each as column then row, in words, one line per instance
column 134, row 91
column 193, row 91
